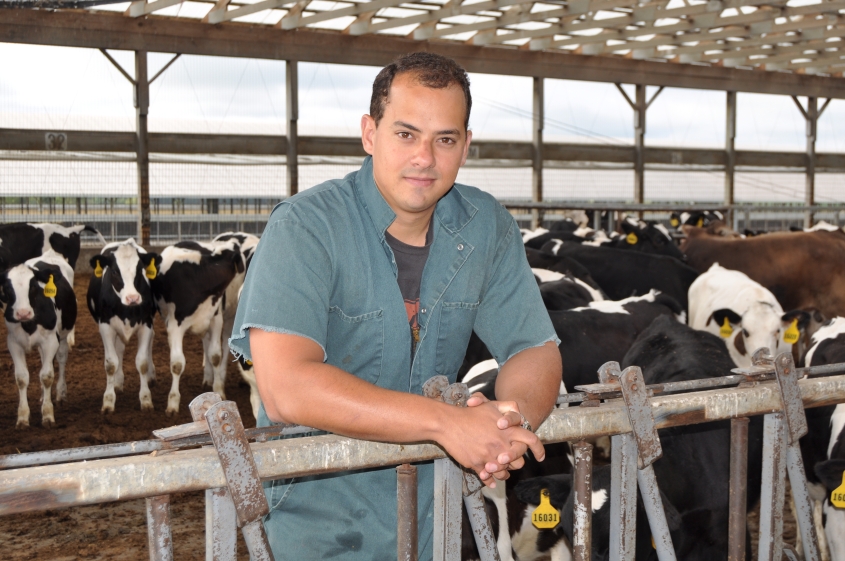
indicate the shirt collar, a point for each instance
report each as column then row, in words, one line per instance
column 453, row 211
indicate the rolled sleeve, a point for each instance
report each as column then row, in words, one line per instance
column 511, row 316
column 287, row 287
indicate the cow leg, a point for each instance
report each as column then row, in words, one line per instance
column 18, row 353
column 48, row 349
column 119, row 347
column 109, row 335
column 144, row 364
column 175, row 334
column 215, row 354
column 254, row 398
column 207, row 369
column 61, row 358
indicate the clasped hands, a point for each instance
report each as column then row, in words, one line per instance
column 519, row 441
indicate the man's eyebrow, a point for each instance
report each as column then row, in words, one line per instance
column 402, row 124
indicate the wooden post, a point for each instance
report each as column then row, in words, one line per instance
column 639, row 145
column 537, row 141
column 292, row 97
column 730, row 155
column 810, row 181
column 142, row 106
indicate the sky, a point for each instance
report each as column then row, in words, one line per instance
column 66, row 88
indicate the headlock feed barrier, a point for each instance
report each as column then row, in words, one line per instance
column 213, row 454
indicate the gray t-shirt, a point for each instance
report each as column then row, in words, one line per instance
column 410, row 261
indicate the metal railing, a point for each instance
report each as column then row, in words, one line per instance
column 770, row 388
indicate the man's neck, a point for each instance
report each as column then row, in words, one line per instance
column 411, row 230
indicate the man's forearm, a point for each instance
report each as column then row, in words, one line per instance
column 532, row 379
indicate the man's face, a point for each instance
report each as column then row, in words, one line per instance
column 418, row 146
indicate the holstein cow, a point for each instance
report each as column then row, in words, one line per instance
column 40, row 312
column 563, row 292
column 621, row 273
column 746, row 315
column 20, row 241
column 121, row 301
column 832, row 474
column 694, row 472
column 781, row 262
column 648, row 237
column 189, row 291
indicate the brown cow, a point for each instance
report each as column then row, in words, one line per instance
column 804, row 270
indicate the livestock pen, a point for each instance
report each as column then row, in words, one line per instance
column 771, row 388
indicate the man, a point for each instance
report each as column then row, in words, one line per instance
column 362, row 289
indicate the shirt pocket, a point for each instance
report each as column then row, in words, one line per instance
column 456, row 322
column 278, row 491
column 356, row 343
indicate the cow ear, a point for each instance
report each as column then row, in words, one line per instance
column 830, row 473
column 719, row 317
column 42, row 273
column 151, row 262
column 800, row 316
column 98, row 263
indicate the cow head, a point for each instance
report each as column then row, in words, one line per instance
column 648, row 237
column 127, row 269
column 798, row 327
column 23, row 289
column 760, row 326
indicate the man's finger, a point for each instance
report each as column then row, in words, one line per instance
column 509, row 419
column 502, row 475
column 517, row 463
column 476, row 399
column 530, row 439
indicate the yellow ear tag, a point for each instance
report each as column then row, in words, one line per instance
column 792, row 334
column 652, row 543
column 249, row 363
column 674, row 222
column 545, row 516
column 726, row 330
column 151, row 270
column 837, row 497
column 98, row 271
column 631, row 238
column 700, row 222
column 50, row 289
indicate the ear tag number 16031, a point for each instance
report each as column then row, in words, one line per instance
column 545, row 516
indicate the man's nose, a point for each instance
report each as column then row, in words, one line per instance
column 424, row 155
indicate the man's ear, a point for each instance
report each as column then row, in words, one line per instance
column 466, row 147
column 368, row 132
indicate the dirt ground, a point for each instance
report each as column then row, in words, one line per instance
column 115, row 531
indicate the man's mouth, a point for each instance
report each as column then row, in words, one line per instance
column 420, row 181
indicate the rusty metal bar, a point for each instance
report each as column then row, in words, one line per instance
column 803, row 503
column 582, row 531
column 406, row 513
column 478, row 520
column 653, row 505
column 772, row 493
column 448, row 490
column 623, row 497
column 738, row 489
column 98, row 481
column 159, row 538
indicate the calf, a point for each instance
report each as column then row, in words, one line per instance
column 695, row 467
column 40, row 311
column 121, row 301
column 648, row 237
column 563, row 292
column 831, row 472
column 20, row 241
column 189, row 290
column 744, row 313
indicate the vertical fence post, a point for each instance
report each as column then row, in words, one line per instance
column 292, row 108
column 142, row 107
column 738, row 497
column 772, row 492
column 537, row 141
column 639, row 145
column 623, row 497
column 582, row 531
column 406, row 513
column 159, row 538
column 810, row 182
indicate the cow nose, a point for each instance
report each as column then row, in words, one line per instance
column 24, row 314
column 133, row 299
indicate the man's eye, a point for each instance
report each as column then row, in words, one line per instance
column 447, row 140
column 404, row 134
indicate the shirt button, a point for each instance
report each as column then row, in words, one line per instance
column 460, row 247
column 422, row 311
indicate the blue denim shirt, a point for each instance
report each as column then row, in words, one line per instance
column 324, row 271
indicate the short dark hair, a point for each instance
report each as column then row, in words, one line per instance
column 430, row 70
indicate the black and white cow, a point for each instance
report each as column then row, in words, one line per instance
column 40, row 311
column 121, row 301
column 694, row 471
column 746, row 314
column 604, row 331
column 697, row 218
column 561, row 291
column 831, row 473
column 20, row 241
column 189, row 290
column 622, row 273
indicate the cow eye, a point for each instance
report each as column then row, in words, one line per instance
column 744, row 332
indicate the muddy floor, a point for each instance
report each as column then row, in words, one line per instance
column 117, row 531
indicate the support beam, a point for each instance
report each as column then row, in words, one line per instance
column 812, row 117
column 292, row 108
column 537, row 141
column 639, row 144
column 142, row 107
column 114, row 31
column 730, row 152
